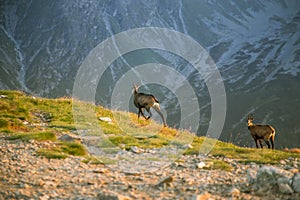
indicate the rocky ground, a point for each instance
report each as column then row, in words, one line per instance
column 24, row 175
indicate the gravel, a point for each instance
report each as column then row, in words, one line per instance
column 25, row 175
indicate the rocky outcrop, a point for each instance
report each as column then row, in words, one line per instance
column 270, row 179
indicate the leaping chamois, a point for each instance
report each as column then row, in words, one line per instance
column 146, row 101
column 261, row 132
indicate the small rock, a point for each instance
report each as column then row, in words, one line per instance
column 112, row 197
column 136, row 149
column 41, row 183
column 44, row 197
column 234, row 192
column 26, row 186
column 165, row 181
column 105, row 119
column 189, row 146
column 100, row 170
column 283, row 162
column 294, row 170
column 25, row 122
column 50, row 183
column 201, row 165
column 205, row 196
column 68, row 138
column 285, row 188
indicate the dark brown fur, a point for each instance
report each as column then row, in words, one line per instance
column 261, row 132
column 146, row 101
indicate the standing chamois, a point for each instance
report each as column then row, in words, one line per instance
column 146, row 101
column 261, row 132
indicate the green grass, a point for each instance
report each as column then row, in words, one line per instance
column 18, row 109
column 51, row 154
column 219, row 165
column 242, row 154
column 73, row 148
column 23, row 117
column 63, row 150
column 3, row 123
column 40, row 136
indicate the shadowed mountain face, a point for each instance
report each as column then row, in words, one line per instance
column 255, row 44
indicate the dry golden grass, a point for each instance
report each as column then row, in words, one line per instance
column 19, row 112
column 293, row 150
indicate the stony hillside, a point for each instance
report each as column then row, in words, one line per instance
column 44, row 156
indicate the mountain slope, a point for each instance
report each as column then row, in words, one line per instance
column 254, row 44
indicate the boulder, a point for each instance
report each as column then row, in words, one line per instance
column 296, row 183
column 270, row 178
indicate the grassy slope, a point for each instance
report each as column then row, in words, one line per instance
column 26, row 117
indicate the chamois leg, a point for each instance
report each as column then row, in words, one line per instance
column 272, row 141
column 150, row 114
column 157, row 109
column 261, row 144
column 268, row 143
column 141, row 112
column 256, row 144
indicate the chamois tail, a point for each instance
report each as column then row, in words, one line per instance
column 157, row 109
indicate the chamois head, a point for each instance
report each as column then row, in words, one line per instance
column 250, row 120
column 135, row 88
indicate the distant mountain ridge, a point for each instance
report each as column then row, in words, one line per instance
column 255, row 45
